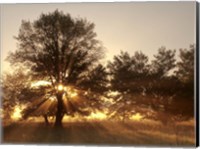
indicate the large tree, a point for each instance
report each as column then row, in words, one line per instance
column 60, row 49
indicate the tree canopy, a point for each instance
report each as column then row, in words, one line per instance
column 164, row 62
column 185, row 66
column 57, row 47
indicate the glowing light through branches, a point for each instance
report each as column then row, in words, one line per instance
column 73, row 94
column 68, row 90
column 136, row 117
column 17, row 113
column 97, row 115
column 40, row 83
column 52, row 98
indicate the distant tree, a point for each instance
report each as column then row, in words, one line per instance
column 172, row 95
column 185, row 66
column 120, row 70
column 129, row 77
column 164, row 62
column 140, row 72
column 129, row 73
column 59, row 49
column 161, row 78
column 185, row 73
column 97, row 79
column 140, row 66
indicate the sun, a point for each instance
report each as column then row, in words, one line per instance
column 60, row 87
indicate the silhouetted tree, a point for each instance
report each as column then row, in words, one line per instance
column 140, row 72
column 129, row 73
column 170, row 93
column 164, row 62
column 185, row 66
column 185, row 73
column 59, row 49
column 97, row 79
column 161, row 77
column 120, row 70
column 140, row 65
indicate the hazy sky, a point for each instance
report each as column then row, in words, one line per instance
column 144, row 26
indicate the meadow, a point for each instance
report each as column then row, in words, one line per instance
column 112, row 133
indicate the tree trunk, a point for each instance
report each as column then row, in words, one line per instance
column 59, row 112
column 46, row 120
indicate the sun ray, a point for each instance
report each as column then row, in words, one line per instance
column 40, row 83
column 97, row 115
column 17, row 113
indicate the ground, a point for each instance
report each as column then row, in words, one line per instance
column 135, row 133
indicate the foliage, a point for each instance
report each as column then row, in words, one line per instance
column 15, row 90
column 96, row 80
column 164, row 62
column 58, row 48
column 127, row 71
column 154, row 87
column 185, row 66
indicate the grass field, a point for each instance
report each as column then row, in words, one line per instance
column 141, row 133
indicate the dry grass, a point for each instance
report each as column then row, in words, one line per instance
column 140, row 133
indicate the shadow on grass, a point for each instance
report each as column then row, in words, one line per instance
column 93, row 133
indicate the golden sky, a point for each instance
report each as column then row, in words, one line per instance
column 132, row 26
